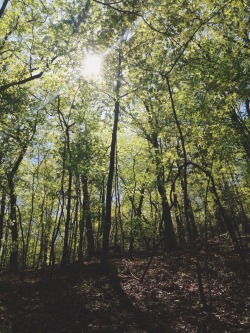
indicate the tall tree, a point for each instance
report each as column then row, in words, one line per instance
column 107, row 221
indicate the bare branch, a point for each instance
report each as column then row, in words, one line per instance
column 17, row 83
column 117, row 9
column 2, row 9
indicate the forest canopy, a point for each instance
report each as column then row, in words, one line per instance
column 124, row 126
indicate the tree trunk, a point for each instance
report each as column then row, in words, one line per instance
column 180, row 230
column 14, row 225
column 30, row 221
column 167, row 228
column 66, row 251
column 167, row 224
column 185, row 183
column 67, row 156
column 42, row 232
column 2, row 212
column 107, row 221
column 87, row 218
column 13, row 211
column 81, row 231
column 55, row 233
column 76, row 224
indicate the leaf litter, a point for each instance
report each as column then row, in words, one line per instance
column 87, row 300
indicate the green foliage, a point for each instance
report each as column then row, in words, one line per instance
column 62, row 122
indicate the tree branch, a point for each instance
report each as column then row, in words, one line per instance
column 17, row 83
column 2, row 9
column 117, row 9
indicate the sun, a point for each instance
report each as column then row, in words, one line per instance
column 92, row 66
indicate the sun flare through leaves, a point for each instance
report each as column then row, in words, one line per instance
column 92, row 66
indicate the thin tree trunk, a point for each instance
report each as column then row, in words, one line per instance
column 66, row 255
column 87, row 218
column 14, row 225
column 67, row 156
column 81, row 230
column 13, row 212
column 180, row 230
column 107, row 221
column 187, row 204
column 4, row 249
column 101, row 216
column 42, row 232
column 22, row 236
column 2, row 213
column 55, row 233
column 118, row 219
column 76, row 224
column 131, row 239
column 166, row 228
column 30, row 221
column 185, row 184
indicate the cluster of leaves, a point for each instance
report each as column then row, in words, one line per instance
column 184, row 96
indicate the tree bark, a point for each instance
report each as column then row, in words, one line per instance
column 13, row 211
column 67, row 156
column 2, row 213
column 81, row 231
column 185, row 183
column 107, row 221
column 87, row 218
column 13, row 224
column 66, row 255
column 18, row 83
column 168, row 229
column 3, row 7
column 170, row 242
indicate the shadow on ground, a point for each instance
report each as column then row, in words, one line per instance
column 68, row 302
column 88, row 301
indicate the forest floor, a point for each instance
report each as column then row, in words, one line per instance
column 89, row 301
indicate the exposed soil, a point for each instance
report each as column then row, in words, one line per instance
column 87, row 300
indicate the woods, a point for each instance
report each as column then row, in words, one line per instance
column 145, row 150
